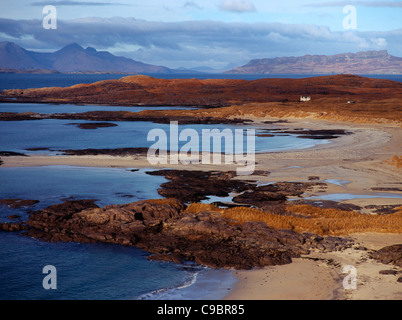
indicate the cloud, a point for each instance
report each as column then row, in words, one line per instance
column 238, row 6
column 384, row 3
column 190, row 43
column 191, row 4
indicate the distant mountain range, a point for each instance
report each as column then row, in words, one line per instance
column 75, row 59
column 369, row 62
column 72, row 58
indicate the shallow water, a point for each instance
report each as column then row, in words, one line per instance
column 340, row 183
column 348, row 196
column 51, row 184
column 18, row 136
column 71, row 108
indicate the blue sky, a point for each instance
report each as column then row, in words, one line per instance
column 215, row 33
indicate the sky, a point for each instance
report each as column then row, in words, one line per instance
column 219, row 34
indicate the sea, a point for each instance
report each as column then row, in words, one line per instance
column 96, row 271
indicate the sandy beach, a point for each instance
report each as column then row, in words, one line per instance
column 320, row 276
column 353, row 164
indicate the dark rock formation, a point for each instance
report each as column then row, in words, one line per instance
column 389, row 272
column 112, row 152
column 13, row 227
column 11, row 154
column 93, row 126
column 164, row 228
column 274, row 193
column 156, row 117
column 389, row 255
column 316, row 134
column 194, row 186
column 18, row 203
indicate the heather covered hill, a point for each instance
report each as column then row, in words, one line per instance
column 144, row 90
column 373, row 98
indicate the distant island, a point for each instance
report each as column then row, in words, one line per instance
column 369, row 62
column 71, row 59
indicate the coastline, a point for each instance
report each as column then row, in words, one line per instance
column 319, row 276
column 358, row 159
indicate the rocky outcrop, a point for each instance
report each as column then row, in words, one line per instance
column 156, row 117
column 11, row 154
column 18, row 203
column 195, row 186
column 93, row 126
column 267, row 195
column 13, row 227
column 119, row 152
column 165, row 229
column 316, row 134
column 389, row 255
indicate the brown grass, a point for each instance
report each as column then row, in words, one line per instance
column 311, row 219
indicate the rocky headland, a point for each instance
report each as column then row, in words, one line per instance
column 168, row 230
column 263, row 229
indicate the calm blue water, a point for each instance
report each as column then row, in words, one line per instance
column 18, row 136
column 84, row 272
column 88, row 271
column 70, row 108
column 51, row 184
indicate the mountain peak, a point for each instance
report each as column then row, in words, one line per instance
column 72, row 58
column 72, row 47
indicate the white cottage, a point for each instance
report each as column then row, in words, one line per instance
column 305, row 98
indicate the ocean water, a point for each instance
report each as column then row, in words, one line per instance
column 18, row 136
column 90, row 271
column 71, row 108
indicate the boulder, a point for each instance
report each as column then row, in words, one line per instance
column 389, row 255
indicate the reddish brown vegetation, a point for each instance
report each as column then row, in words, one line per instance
column 305, row 218
column 395, row 161
column 374, row 99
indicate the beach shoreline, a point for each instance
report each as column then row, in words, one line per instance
column 319, row 276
